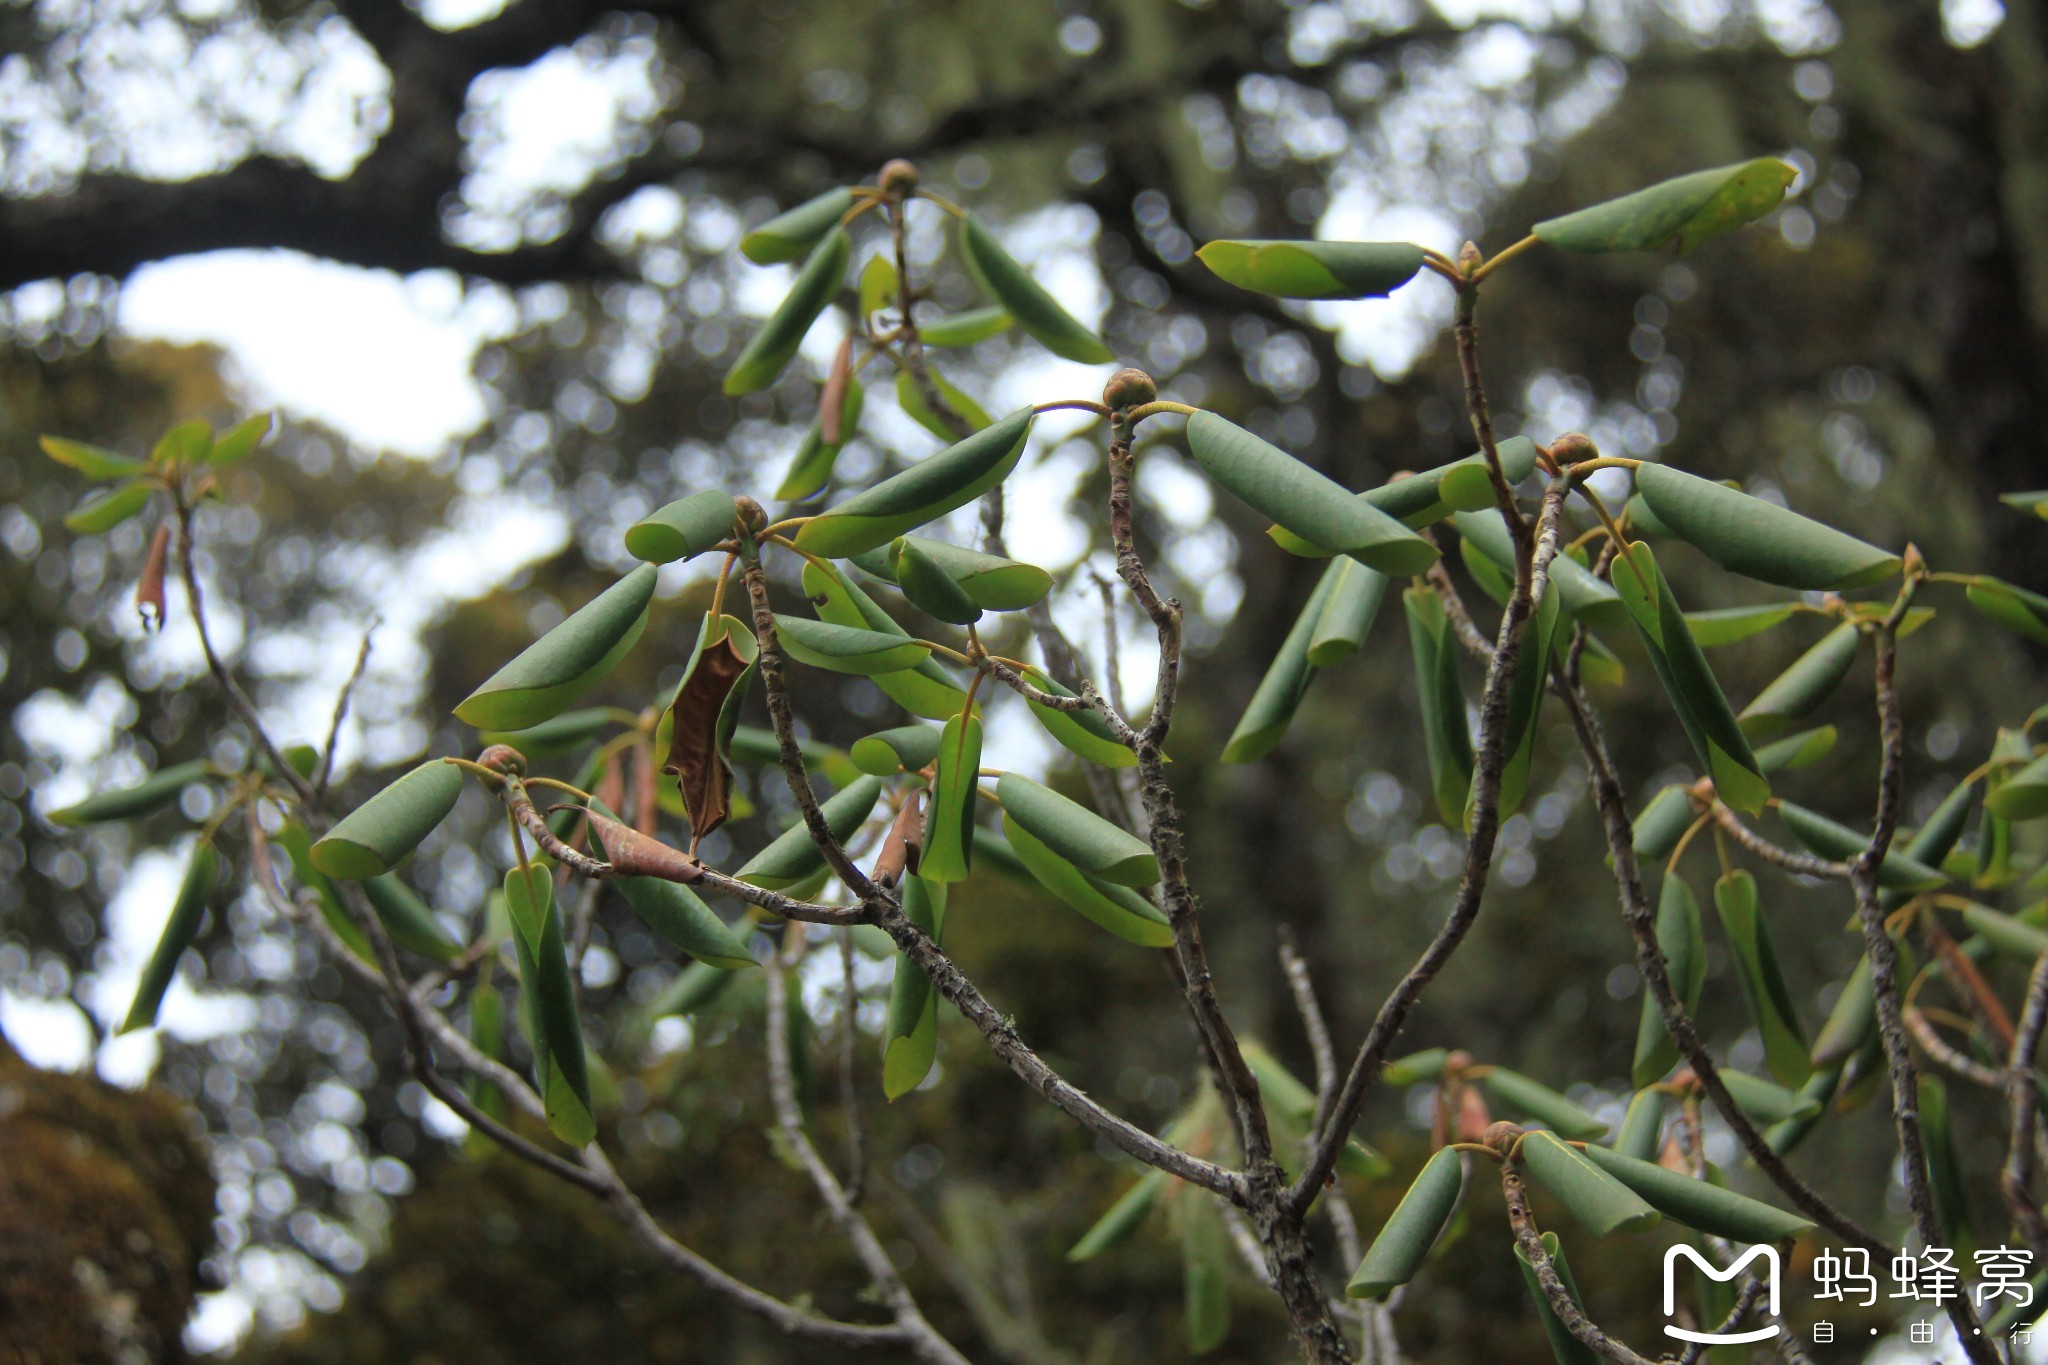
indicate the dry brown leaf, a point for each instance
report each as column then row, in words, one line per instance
column 905, row 841
column 633, row 854
column 832, row 402
column 693, row 756
column 149, row 589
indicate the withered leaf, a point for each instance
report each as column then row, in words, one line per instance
column 832, row 402
column 633, row 854
column 149, row 589
column 646, row 807
column 904, row 843
column 696, row 757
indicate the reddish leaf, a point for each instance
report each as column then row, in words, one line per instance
column 694, row 756
column 832, row 402
column 633, row 854
column 905, row 842
column 149, row 589
column 646, row 800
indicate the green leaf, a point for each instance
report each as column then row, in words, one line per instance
column 1122, row 1219
column 1583, row 595
column 298, row 845
column 1565, row 1348
column 1727, row 625
column 1037, row 312
column 924, row 492
column 1314, row 270
column 1851, row 1023
column 792, row 856
column 1684, row 945
column 907, row 748
column 1662, row 823
column 382, row 832
column 105, row 511
column 1205, row 1268
column 1810, row 680
column 769, row 350
column 678, row 915
column 926, row 586
column 1303, row 501
column 1525, row 701
column 1819, row 1089
column 965, row 329
column 408, row 919
column 1445, row 733
column 187, row 912
column 695, row 988
column 2025, row 613
column 1765, row 1101
column 1347, row 612
column 1405, row 1239
column 990, row 581
column 1642, row 1125
column 1601, row 1203
column 684, row 528
column 1802, row 750
column 1077, row 834
column 154, row 792
column 95, row 462
column 1898, row 871
column 1687, row 210
column 239, row 441
column 1416, row 1067
column 1118, row 909
column 566, row 662
column 1951, row 1209
column 927, row 689
column 2035, row 502
column 559, row 735
column 911, row 1043
column 553, row 1029
column 1280, row 692
column 529, row 895
column 2021, row 795
column 1422, row 499
column 2007, row 935
column 1700, row 1204
column 1082, row 733
column 949, row 822
column 1702, row 708
column 811, row 470
column 184, row 444
column 1520, row 1094
column 1762, row 981
column 1759, row 539
column 878, row 284
column 791, row 235
column 847, row 649
column 910, row 396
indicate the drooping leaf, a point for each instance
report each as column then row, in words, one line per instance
column 878, row 284
column 1700, row 1204
column 791, row 235
column 1422, row 499
column 1820, row 1088
column 1810, row 680
column 926, row 690
column 702, row 717
column 1602, row 1204
column 104, row 511
column 1727, row 625
column 846, row 649
column 991, row 581
column 1524, row 1095
column 927, row 587
column 1759, row 539
column 1683, row 942
column 2007, row 935
column 1118, row 909
column 154, row 792
column 1445, row 732
column 1314, row 270
column 1280, row 691
column 1687, row 210
column 911, row 1041
column 1405, row 1239
column 907, row 748
column 1851, row 1023
column 917, row 405
column 965, row 329
column 1802, row 750
column 1695, row 694
column 1945, row 1176
column 1302, row 500
column 408, row 919
column 554, row 1031
column 1662, row 823
column 1122, row 1219
column 1827, row 839
column 95, row 462
column 1565, row 1348
column 678, row 915
column 187, row 913
column 529, row 892
column 811, row 468
column 1077, row 834
column 792, row 857
column 948, row 833
column 1762, row 980
column 298, row 846
column 1525, row 701
column 2022, row 612
column 1205, row 1269
column 1346, row 614
column 684, row 528
column 379, row 834
column 566, row 662
column 769, row 350
column 1082, row 733
column 1037, row 312
column 1642, row 1125
column 924, row 492
column 1765, row 1101
column 1583, row 595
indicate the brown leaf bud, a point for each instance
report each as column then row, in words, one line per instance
column 1128, row 388
column 897, row 177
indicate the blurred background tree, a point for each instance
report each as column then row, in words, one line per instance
column 1875, row 351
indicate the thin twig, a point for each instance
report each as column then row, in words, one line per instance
column 2023, row 1099
column 1803, row 864
column 1552, row 1284
column 341, row 701
column 849, row 1087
